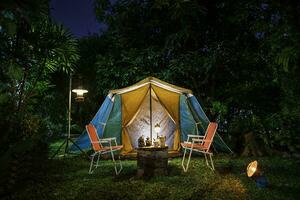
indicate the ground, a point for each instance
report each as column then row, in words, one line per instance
column 68, row 178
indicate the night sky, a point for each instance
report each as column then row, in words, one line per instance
column 76, row 15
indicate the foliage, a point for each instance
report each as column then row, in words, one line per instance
column 32, row 48
column 240, row 59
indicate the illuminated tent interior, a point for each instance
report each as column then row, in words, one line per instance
column 131, row 112
column 140, row 124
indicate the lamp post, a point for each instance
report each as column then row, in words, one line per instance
column 79, row 98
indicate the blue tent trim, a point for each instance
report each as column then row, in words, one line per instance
column 99, row 121
column 203, row 120
column 187, row 122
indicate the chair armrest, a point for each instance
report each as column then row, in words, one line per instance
column 196, row 136
column 104, row 141
column 108, row 139
column 199, row 140
column 94, row 142
column 190, row 136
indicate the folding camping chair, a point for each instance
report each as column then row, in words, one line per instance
column 200, row 144
column 99, row 149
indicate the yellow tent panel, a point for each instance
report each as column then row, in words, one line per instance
column 131, row 102
column 133, row 97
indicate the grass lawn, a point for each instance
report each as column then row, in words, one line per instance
column 68, row 179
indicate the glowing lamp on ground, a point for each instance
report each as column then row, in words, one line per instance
column 253, row 171
column 79, row 92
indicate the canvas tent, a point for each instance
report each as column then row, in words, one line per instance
column 133, row 111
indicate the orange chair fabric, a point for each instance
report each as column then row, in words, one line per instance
column 93, row 137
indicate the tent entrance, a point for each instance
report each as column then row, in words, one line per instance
column 140, row 124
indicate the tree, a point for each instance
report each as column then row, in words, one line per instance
column 32, row 48
column 237, row 57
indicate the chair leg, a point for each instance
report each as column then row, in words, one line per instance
column 183, row 158
column 120, row 163
column 205, row 156
column 185, row 168
column 91, row 165
column 97, row 163
column 212, row 163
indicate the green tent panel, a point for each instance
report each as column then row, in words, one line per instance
column 187, row 122
column 113, row 125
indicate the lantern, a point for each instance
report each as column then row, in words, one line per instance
column 79, row 88
column 157, row 129
column 79, row 92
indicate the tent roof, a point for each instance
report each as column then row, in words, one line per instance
column 154, row 81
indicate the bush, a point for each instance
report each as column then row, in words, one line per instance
column 24, row 157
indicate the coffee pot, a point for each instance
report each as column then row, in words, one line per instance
column 162, row 141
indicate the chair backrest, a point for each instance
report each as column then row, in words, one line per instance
column 209, row 135
column 92, row 132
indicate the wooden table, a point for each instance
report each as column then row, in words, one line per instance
column 152, row 161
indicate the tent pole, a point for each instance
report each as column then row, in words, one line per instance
column 150, row 114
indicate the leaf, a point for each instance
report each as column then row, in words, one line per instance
column 285, row 57
column 4, row 98
column 10, row 27
column 15, row 72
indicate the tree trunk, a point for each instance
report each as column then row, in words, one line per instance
column 252, row 148
column 22, row 87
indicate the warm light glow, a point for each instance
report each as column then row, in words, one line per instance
column 79, row 92
column 251, row 169
column 157, row 128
